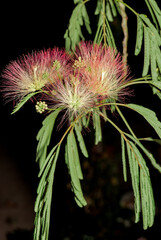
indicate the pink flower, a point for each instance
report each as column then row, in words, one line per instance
column 71, row 95
column 103, row 71
column 32, row 72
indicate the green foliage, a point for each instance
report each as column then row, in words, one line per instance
column 79, row 17
column 141, row 183
column 44, row 136
column 139, row 36
column 73, row 163
column 23, row 101
column 124, row 159
column 149, row 115
column 152, row 43
column 135, row 152
column 106, row 11
column 148, row 40
column 44, row 195
column 82, row 145
column 97, row 126
column 111, row 9
column 155, row 12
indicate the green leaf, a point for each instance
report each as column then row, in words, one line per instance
column 44, row 197
column 103, row 32
column 155, row 12
column 158, row 58
column 155, row 6
column 97, row 126
column 81, row 140
column 149, row 115
column 153, row 15
column 140, row 176
column 124, row 159
column 152, row 28
column 139, row 36
column 151, row 140
column 113, row 8
column 156, row 84
column 134, row 171
column 108, row 12
column 23, row 101
column 153, row 58
column 146, row 52
column 70, row 160
column 67, row 40
column 48, row 159
column 148, row 205
column 86, row 19
column 79, row 17
column 98, row 7
column 146, row 152
column 44, row 136
column 76, row 156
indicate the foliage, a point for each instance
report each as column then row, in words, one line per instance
column 134, row 153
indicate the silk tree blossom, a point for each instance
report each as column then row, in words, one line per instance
column 71, row 95
column 103, row 71
column 32, row 72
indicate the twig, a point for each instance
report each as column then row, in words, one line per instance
column 125, row 31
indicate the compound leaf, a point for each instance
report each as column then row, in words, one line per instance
column 81, row 140
column 139, row 36
column 23, row 101
column 149, row 115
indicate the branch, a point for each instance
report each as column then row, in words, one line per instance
column 125, row 31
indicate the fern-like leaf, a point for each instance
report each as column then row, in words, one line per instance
column 97, row 126
column 141, row 183
column 106, row 14
column 72, row 161
column 146, row 52
column 44, row 197
column 149, row 115
column 155, row 12
column 139, row 36
column 81, row 140
column 44, row 136
column 23, row 101
column 79, row 17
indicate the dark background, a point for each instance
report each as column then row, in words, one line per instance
column 28, row 26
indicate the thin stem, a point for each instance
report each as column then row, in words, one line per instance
column 123, row 135
column 112, row 123
column 130, row 8
column 125, row 121
column 138, row 82
column 66, row 132
column 71, row 127
column 125, row 32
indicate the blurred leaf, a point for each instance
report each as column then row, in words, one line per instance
column 73, row 169
column 146, row 152
column 149, row 115
column 146, row 52
column 134, row 172
column 44, row 136
column 124, row 159
column 139, row 36
column 97, row 126
column 79, row 17
column 23, row 101
column 44, row 197
column 81, row 140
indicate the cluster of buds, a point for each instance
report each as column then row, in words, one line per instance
column 77, row 82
